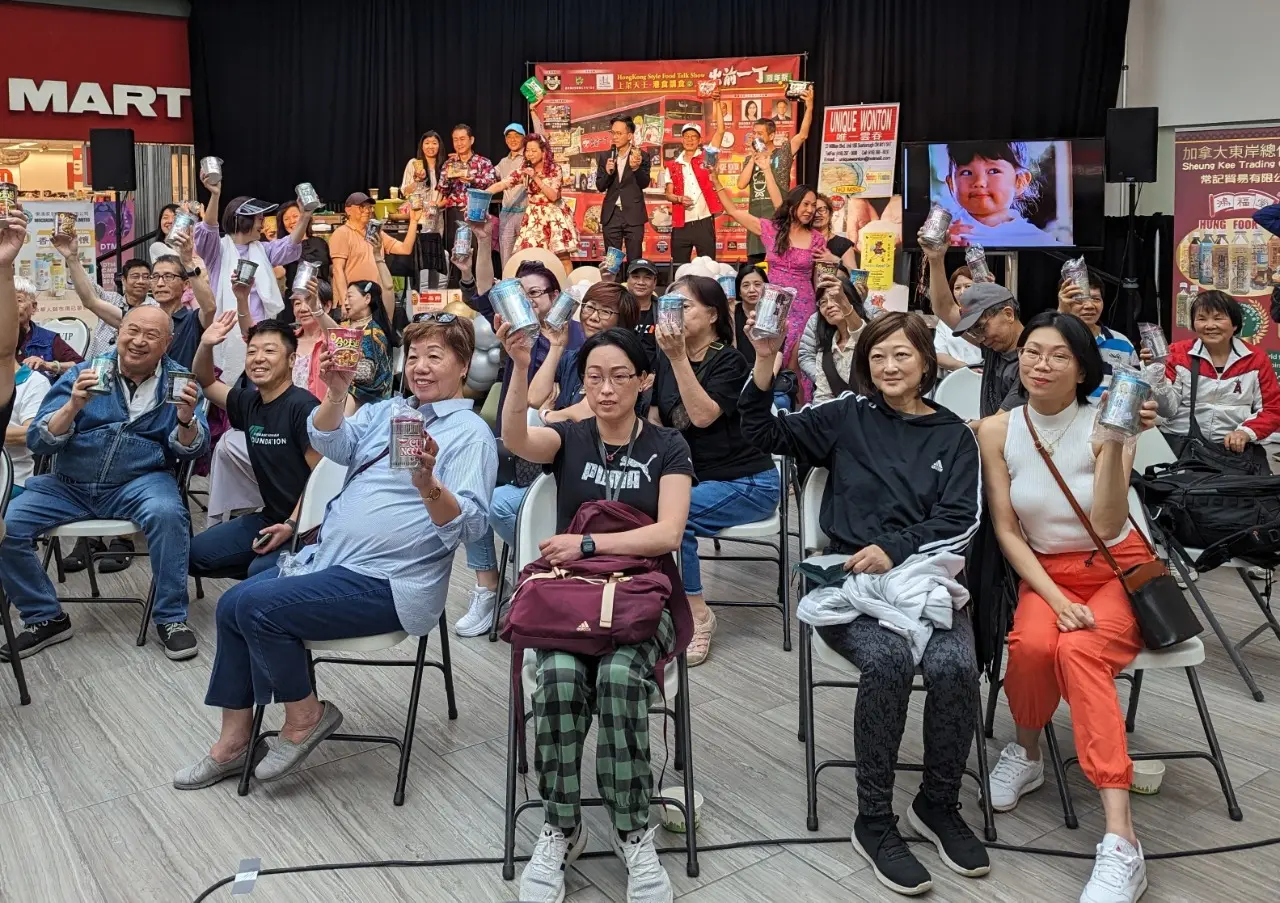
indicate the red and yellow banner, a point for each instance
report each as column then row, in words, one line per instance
column 661, row 97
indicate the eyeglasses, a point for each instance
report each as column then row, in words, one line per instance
column 603, row 313
column 442, row 319
column 1055, row 360
column 166, row 277
column 535, row 293
column 617, row 380
column 138, row 277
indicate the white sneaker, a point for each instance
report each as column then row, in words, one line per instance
column 647, row 880
column 1013, row 777
column 542, row 880
column 1119, row 874
column 1259, row 574
column 479, row 615
column 1177, row 577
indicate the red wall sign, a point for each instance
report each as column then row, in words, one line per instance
column 67, row 70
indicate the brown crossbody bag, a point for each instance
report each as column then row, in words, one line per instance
column 1159, row 606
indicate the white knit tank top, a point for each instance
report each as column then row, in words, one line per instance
column 1047, row 519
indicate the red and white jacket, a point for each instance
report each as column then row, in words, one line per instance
column 1245, row 397
column 675, row 173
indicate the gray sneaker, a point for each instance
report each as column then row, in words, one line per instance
column 542, row 880
column 286, row 757
column 647, row 880
column 208, row 771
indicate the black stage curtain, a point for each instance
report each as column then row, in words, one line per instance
column 337, row 93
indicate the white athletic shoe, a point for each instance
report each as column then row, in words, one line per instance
column 1119, row 874
column 542, row 880
column 1013, row 777
column 647, row 880
column 1259, row 574
column 479, row 615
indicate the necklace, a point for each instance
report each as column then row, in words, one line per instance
column 1054, row 437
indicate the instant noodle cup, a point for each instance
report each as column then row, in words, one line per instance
column 344, row 348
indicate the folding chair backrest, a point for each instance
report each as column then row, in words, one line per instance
column 961, row 393
column 1153, row 448
column 73, row 330
column 812, row 537
column 324, row 483
column 1138, row 513
column 536, row 520
column 6, row 481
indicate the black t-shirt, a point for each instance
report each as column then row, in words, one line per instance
column 1001, row 382
column 276, row 434
column 6, row 410
column 581, row 476
column 719, row 451
column 838, row 244
column 646, row 328
column 745, row 348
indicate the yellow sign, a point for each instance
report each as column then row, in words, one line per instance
column 877, row 259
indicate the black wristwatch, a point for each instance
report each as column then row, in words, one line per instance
column 588, row 546
column 188, row 425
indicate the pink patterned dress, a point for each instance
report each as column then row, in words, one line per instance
column 793, row 269
column 547, row 224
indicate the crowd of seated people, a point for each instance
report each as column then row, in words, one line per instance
column 681, row 424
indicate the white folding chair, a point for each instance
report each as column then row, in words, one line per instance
column 72, row 330
column 324, row 484
column 960, row 392
column 397, row 368
column 1187, row 656
column 770, row 532
column 535, row 522
column 813, row 540
column 15, row 662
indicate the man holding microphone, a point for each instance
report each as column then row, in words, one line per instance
column 622, row 173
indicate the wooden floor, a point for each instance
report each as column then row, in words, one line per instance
column 87, row 811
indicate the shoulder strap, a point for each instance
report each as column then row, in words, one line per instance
column 1193, row 427
column 1075, row 506
column 712, row 350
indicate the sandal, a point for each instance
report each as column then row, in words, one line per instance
column 700, row 645
column 121, row 556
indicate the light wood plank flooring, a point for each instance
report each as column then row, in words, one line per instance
column 87, row 812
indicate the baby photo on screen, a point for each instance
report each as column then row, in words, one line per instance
column 1004, row 194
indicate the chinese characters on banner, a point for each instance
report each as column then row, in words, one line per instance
column 1223, row 177
column 43, row 265
column 660, row 97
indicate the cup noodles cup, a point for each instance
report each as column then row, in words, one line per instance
column 372, row 228
column 178, row 382
column 66, row 223
column 415, row 200
column 513, row 305
column 561, row 311
column 1151, row 336
column 758, row 145
column 933, row 234
column 407, row 436
column 105, row 367
column 729, row 285
column 859, row 278
column 707, row 88
column 344, row 348
column 976, row 259
column 308, row 198
column 613, row 259
column 771, row 311
column 462, row 241
column 211, row 170
column 1076, row 271
column 307, row 271
column 1122, row 410
column 431, row 219
column 477, row 204
column 671, row 312
column 184, row 223
column 8, row 197
column 825, row 269
column 243, row 272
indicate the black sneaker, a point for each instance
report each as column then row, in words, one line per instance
column 37, row 636
column 943, row 827
column 879, row 842
column 179, row 640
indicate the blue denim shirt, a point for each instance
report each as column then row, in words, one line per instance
column 103, row 444
column 379, row 526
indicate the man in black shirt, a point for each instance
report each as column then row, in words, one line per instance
column 642, row 282
column 272, row 412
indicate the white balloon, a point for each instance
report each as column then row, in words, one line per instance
column 485, row 338
column 495, row 355
column 483, row 370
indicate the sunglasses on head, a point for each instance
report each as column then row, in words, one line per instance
column 442, row 319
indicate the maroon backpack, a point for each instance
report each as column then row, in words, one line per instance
column 593, row 605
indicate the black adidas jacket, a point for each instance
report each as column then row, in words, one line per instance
column 907, row 485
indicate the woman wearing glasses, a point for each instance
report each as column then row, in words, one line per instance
column 1073, row 629
column 613, row 454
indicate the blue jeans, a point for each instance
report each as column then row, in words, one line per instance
column 715, row 505
column 226, row 550
column 504, row 505
column 151, row 501
column 263, row 621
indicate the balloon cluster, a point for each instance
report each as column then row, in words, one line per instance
column 486, row 362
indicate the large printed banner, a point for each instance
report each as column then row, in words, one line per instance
column 1223, row 177
column 661, row 97
column 859, row 148
column 44, row 266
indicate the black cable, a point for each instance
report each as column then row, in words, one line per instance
column 717, row 848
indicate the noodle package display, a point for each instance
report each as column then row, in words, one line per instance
column 345, row 352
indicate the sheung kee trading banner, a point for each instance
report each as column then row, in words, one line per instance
column 660, row 97
column 1223, row 177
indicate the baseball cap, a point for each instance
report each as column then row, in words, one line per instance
column 977, row 300
column 252, row 206
column 357, row 199
column 642, row 264
column 691, row 126
column 514, row 127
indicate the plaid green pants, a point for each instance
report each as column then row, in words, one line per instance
column 618, row 686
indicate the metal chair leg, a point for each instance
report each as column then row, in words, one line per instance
column 984, row 778
column 199, row 588
column 15, row 661
column 1131, row 715
column 1179, row 564
column 784, row 571
column 254, row 738
column 1060, row 774
column 411, row 721
column 447, row 662
column 810, row 744
column 146, row 610
column 1211, row 736
column 502, row 585
column 91, row 567
column 994, row 685
column 684, row 731
column 513, row 735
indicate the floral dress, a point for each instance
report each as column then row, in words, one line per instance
column 793, row 269
column 548, row 224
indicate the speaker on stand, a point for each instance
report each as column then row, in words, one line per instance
column 1131, row 161
column 112, row 168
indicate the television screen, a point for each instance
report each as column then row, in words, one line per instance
column 1006, row 195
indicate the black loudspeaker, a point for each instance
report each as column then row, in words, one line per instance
column 111, row 160
column 1131, row 144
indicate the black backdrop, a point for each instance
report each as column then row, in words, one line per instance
column 337, row 93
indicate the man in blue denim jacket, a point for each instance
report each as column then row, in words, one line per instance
column 116, row 454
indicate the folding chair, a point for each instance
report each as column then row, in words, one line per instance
column 537, row 513
column 397, row 370
column 15, row 662
column 1153, row 449
column 770, row 533
column 323, row 485
column 72, row 330
column 960, row 392
column 536, row 522
column 813, row 539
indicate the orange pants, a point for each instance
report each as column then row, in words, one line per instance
column 1079, row 666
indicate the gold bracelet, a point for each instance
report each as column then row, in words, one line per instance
column 433, row 494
